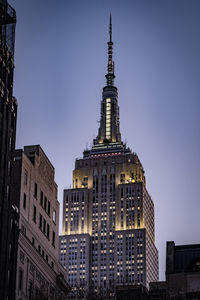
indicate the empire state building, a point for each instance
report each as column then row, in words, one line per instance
column 108, row 216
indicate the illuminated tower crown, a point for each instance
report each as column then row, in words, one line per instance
column 109, row 136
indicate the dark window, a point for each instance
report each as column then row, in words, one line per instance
column 49, row 207
column 23, row 229
column 44, row 226
column 20, row 279
column 53, row 238
column 34, row 213
column 48, row 231
column 35, row 190
column 122, row 178
column 85, row 181
column 40, row 225
column 30, row 290
column 24, row 201
column 33, row 241
column 45, row 203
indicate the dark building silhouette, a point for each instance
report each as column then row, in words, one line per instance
column 157, row 290
column 132, row 292
column 183, row 271
column 108, row 216
column 8, row 114
column 182, row 275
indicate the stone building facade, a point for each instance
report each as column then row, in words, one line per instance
column 108, row 213
column 39, row 275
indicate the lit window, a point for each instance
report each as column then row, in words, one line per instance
column 108, row 118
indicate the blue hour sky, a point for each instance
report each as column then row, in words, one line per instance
column 60, row 63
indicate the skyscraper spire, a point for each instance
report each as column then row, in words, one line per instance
column 110, row 28
column 108, row 139
column 110, row 75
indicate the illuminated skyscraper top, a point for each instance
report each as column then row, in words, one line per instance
column 109, row 136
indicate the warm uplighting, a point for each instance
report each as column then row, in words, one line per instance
column 108, row 118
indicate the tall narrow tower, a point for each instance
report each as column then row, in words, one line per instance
column 8, row 112
column 108, row 215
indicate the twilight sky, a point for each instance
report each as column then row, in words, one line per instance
column 60, row 63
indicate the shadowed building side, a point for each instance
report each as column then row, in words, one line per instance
column 183, row 271
column 9, row 208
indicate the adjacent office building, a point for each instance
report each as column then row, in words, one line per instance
column 9, row 208
column 39, row 275
column 108, row 216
